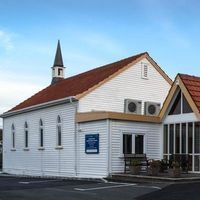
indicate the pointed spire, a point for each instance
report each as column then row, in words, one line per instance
column 58, row 67
column 58, row 61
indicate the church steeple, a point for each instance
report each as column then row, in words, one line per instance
column 58, row 67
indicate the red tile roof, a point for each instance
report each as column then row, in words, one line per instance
column 192, row 83
column 78, row 84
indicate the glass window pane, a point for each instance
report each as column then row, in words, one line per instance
column 186, row 106
column 176, row 107
column 41, row 123
column 190, row 158
column 165, row 137
column 41, row 137
column 26, row 138
column 197, row 138
column 183, row 141
column 58, row 119
column 25, row 125
column 196, row 163
column 127, row 143
column 13, row 139
column 59, row 136
column 190, row 127
column 139, row 140
column 171, row 139
column 177, row 138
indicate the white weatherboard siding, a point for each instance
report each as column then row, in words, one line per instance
column 180, row 118
column 128, row 84
column 50, row 161
column 152, row 137
column 92, row 165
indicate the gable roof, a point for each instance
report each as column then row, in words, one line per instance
column 79, row 85
column 192, row 83
column 190, row 87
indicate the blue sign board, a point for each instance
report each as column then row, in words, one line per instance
column 92, row 143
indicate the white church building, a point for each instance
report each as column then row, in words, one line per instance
column 81, row 126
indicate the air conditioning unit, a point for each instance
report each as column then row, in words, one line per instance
column 152, row 108
column 133, row 106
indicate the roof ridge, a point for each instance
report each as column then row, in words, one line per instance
column 78, row 84
column 182, row 74
column 108, row 64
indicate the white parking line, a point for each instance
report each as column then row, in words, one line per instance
column 105, row 187
column 23, row 182
column 28, row 182
column 153, row 187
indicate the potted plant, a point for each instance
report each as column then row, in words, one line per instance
column 176, row 169
column 164, row 165
column 135, row 166
column 154, row 167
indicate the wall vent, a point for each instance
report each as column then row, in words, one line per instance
column 145, row 71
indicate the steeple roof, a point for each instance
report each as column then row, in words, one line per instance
column 58, row 61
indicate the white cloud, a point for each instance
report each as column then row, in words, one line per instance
column 15, row 88
column 6, row 40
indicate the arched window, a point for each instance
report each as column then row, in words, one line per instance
column 26, row 135
column 41, row 133
column 13, row 135
column 59, row 131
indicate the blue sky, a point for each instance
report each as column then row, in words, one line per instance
column 92, row 33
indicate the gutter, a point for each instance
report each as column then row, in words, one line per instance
column 40, row 106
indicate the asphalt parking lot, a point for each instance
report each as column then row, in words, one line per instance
column 56, row 189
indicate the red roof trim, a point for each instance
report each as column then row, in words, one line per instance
column 192, row 84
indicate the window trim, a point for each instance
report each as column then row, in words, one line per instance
column 41, row 128
column 59, row 134
column 133, row 141
column 13, row 137
column 185, row 107
column 26, row 136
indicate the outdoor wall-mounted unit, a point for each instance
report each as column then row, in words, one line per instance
column 133, row 106
column 151, row 108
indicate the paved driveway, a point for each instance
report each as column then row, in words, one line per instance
column 185, row 191
column 55, row 189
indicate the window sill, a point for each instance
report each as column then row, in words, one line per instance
column 144, row 77
column 26, row 149
column 41, row 148
column 59, row 147
column 13, row 149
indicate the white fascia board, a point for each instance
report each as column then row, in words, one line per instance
column 40, row 106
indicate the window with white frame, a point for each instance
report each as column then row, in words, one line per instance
column 41, row 134
column 183, row 140
column 133, row 143
column 26, row 137
column 59, row 131
column 13, row 135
